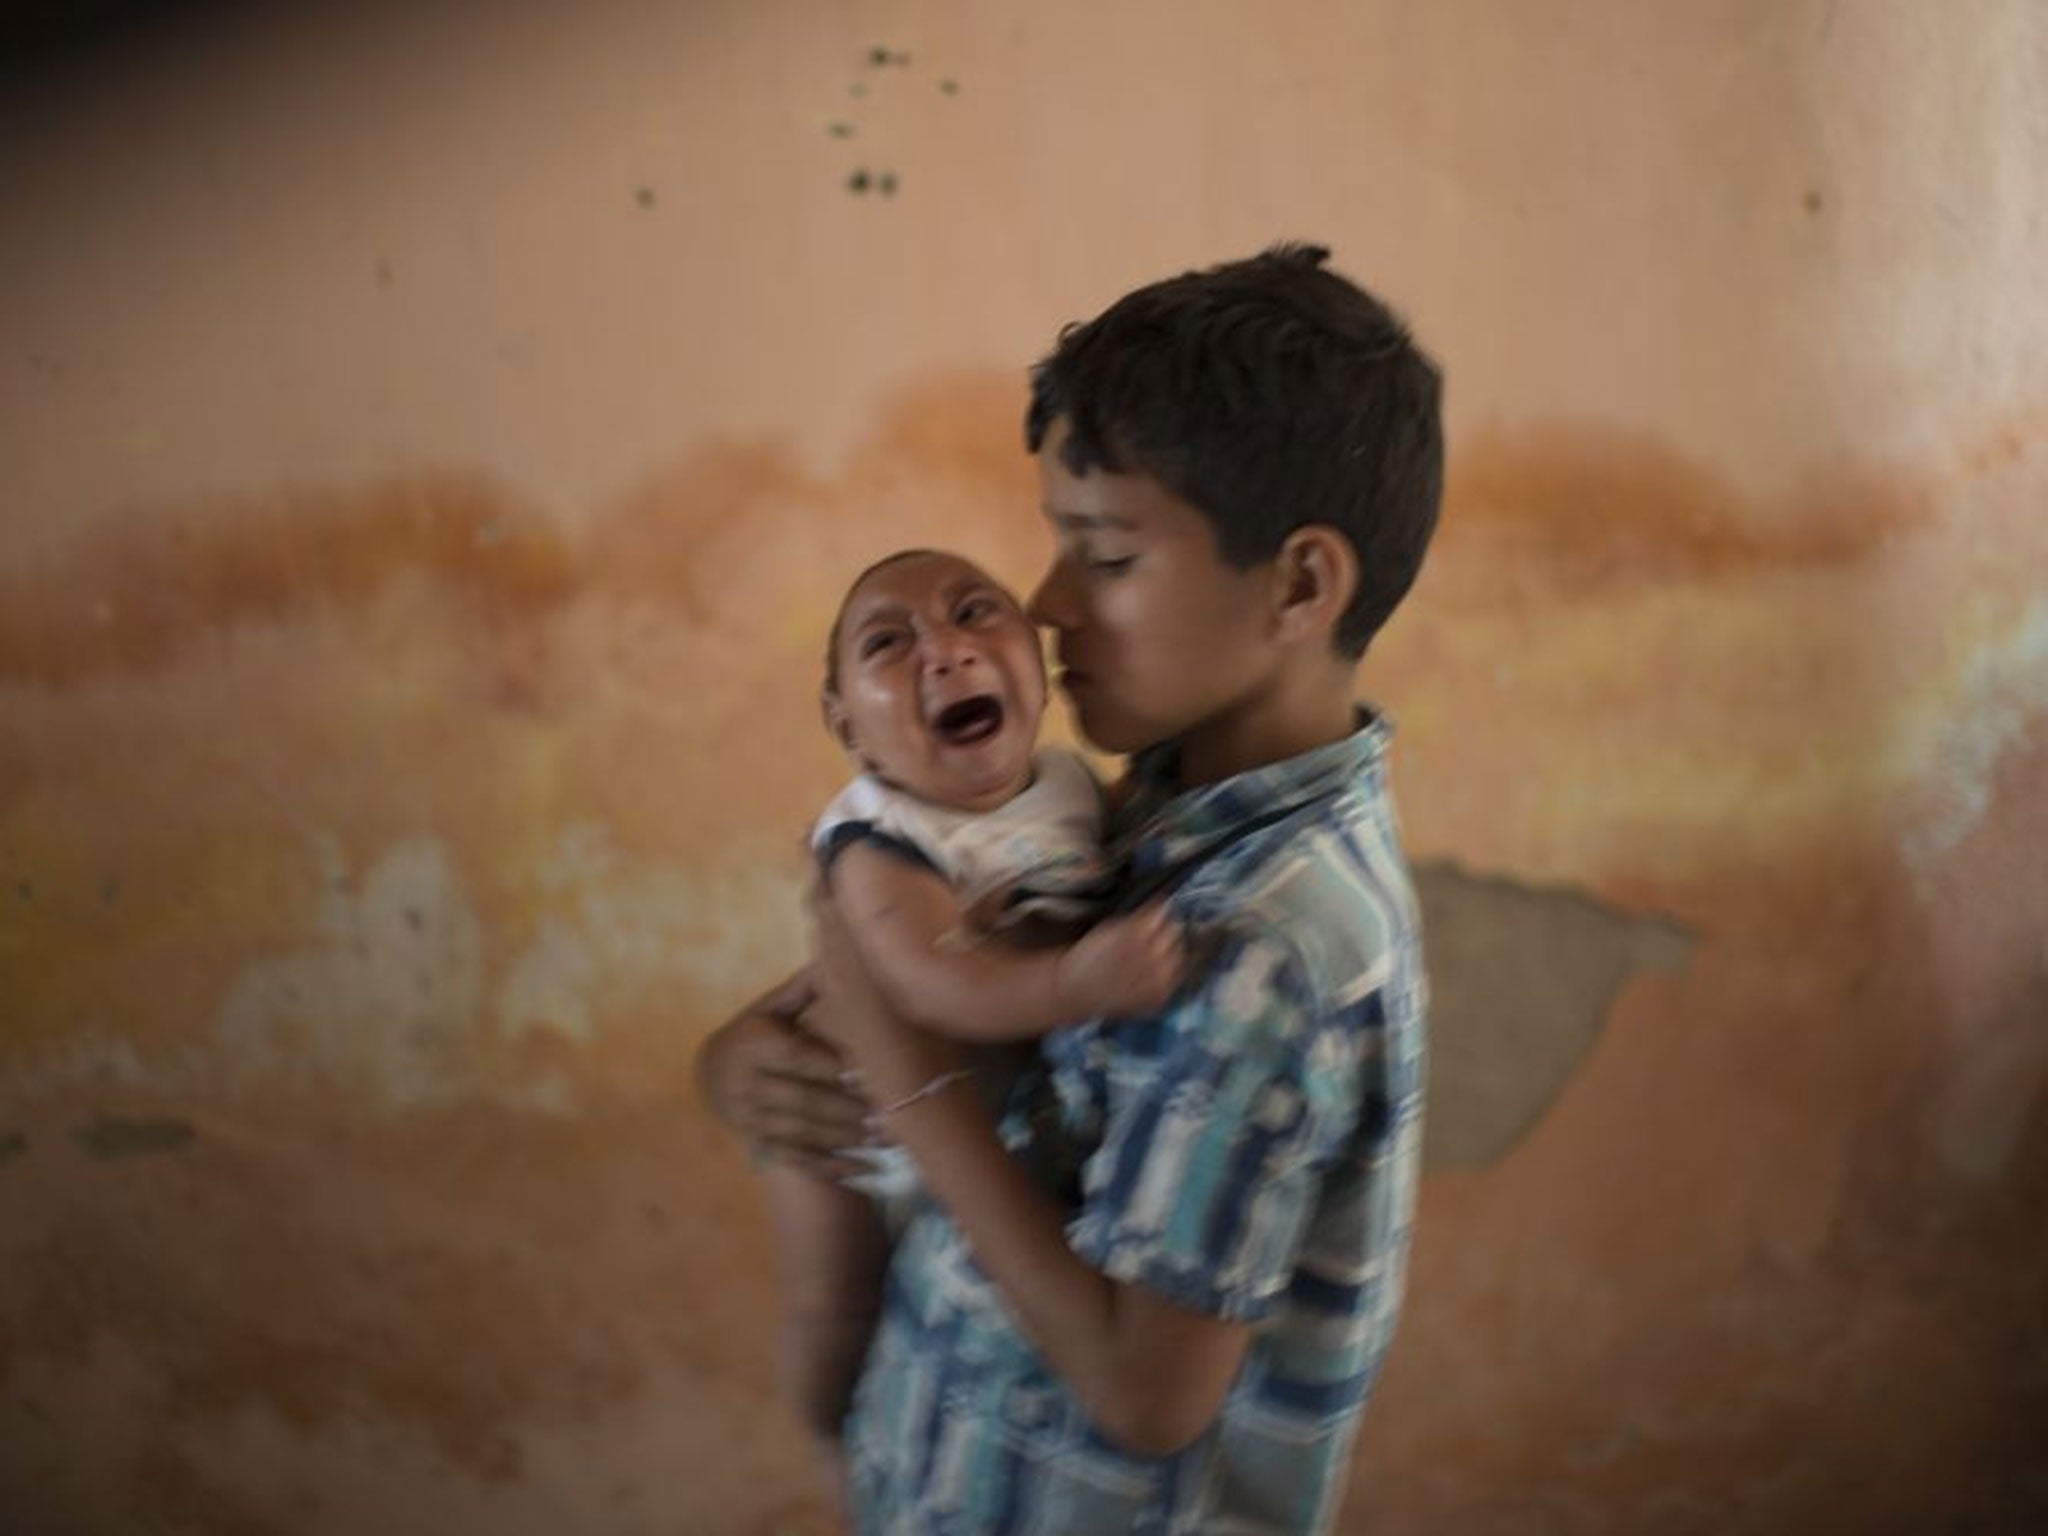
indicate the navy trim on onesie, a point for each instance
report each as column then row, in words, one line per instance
column 847, row 833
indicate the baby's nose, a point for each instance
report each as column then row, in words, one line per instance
column 945, row 652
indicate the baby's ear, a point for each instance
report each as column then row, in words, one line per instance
column 836, row 721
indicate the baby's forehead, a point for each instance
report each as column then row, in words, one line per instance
column 913, row 580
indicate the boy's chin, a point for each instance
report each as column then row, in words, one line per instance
column 1106, row 732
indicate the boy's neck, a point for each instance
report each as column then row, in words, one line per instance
column 1293, row 716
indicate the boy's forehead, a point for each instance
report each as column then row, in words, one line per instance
column 1100, row 499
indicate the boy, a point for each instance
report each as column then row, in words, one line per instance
column 1155, row 1298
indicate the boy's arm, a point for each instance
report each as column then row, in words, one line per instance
column 899, row 914
column 1150, row 1374
column 1145, row 1332
column 779, row 1086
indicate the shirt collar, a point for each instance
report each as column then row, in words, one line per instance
column 1160, row 829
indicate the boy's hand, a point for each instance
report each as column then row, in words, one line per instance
column 1125, row 966
column 769, row 1077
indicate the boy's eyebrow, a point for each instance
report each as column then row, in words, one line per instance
column 1085, row 521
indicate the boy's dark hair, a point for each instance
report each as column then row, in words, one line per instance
column 1269, row 394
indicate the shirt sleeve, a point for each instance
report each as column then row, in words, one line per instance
column 845, row 834
column 1236, row 1102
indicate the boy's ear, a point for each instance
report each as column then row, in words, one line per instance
column 836, row 721
column 1318, row 575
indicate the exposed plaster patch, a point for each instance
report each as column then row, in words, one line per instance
column 619, row 928
column 1521, row 978
column 93, row 1057
column 386, row 1002
column 1996, row 700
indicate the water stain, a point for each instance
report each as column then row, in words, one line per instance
column 1569, row 509
column 133, row 597
column 12, row 1145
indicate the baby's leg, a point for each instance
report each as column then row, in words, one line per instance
column 832, row 1251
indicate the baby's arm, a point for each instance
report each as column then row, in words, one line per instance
column 899, row 913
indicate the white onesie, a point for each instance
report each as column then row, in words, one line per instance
column 1043, row 847
column 1040, row 854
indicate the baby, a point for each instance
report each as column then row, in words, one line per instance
column 962, row 859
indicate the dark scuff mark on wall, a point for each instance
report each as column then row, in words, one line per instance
column 863, row 179
column 112, row 1136
column 1521, row 979
column 12, row 1145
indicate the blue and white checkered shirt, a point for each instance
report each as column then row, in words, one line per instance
column 1252, row 1152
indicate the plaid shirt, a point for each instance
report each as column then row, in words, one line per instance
column 1251, row 1152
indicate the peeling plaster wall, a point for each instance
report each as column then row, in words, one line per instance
column 434, row 447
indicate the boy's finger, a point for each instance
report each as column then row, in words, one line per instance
column 811, row 1077
column 804, row 1056
column 804, row 1135
column 817, row 1103
column 821, row 1165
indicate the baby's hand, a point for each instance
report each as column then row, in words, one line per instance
column 1124, row 966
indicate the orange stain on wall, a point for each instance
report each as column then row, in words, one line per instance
column 404, row 845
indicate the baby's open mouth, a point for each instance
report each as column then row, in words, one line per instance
column 970, row 721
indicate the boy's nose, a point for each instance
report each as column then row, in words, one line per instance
column 1049, row 606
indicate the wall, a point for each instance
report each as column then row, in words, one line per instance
column 435, row 440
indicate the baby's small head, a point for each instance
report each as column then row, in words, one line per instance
column 934, row 681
